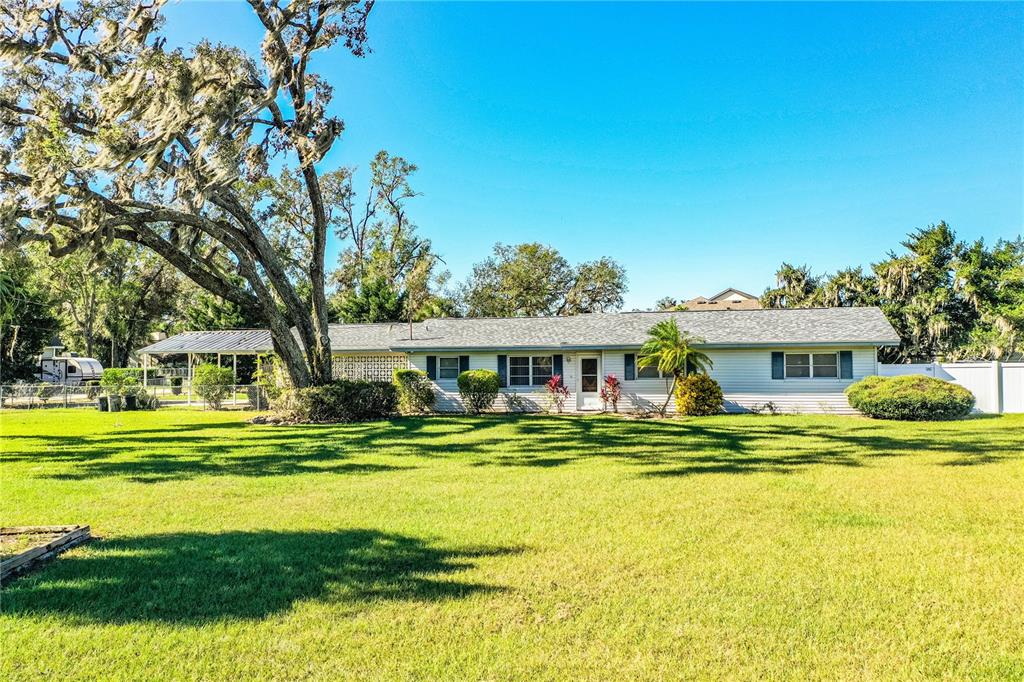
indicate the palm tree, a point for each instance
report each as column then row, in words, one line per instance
column 672, row 352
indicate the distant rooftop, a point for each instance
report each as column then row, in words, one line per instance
column 729, row 299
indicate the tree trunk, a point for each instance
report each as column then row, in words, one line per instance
column 319, row 356
column 671, row 393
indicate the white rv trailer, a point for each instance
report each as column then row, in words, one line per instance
column 69, row 369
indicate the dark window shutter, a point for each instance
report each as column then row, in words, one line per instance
column 778, row 365
column 502, row 371
column 557, row 366
column 463, row 363
column 630, row 370
column 432, row 367
column 845, row 364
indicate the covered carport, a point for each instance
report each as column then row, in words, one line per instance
column 228, row 342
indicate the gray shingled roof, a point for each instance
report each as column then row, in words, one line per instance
column 378, row 336
column 227, row 341
column 721, row 328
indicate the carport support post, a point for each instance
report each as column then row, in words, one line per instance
column 145, row 369
column 234, row 378
column 189, row 379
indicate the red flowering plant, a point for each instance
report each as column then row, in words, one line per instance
column 558, row 391
column 611, row 392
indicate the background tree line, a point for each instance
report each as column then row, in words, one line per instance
column 107, row 303
column 945, row 297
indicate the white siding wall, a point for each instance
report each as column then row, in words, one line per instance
column 536, row 397
column 745, row 376
column 746, row 379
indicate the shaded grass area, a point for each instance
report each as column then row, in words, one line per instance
column 197, row 577
column 509, row 547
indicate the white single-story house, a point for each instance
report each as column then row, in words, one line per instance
column 798, row 360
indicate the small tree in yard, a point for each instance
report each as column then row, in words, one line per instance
column 118, row 381
column 611, row 392
column 212, row 383
column 672, row 352
column 558, row 392
column 479, row 389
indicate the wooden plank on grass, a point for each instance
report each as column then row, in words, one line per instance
column 75, row 535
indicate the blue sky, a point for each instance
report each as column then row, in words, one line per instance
column 699, row 145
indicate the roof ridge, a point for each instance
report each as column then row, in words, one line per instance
column 631, row 312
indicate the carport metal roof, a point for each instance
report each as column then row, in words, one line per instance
column 230, row 341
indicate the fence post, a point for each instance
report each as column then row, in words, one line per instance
column 997, row 386
column 65, row 395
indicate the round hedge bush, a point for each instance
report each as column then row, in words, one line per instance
column 910, row 397
column 479, row 389
column 698, row 395
column 415, row 392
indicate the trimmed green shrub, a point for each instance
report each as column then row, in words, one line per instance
column 341, row 401
column 118, row 381
column 910, row 397
column 213, row 383
column 698, row 395
column 176, row 383
column 415, row 394
column 479, row 389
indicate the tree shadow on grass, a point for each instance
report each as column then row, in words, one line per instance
column 661, row 447
column 172, row 467
column 192, row 578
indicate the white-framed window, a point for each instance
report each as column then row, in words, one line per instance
column 448, row 368
column 649, row 372
column 812, row 365
column 530, row 370
column 825, row 365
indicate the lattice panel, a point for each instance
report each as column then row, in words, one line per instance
column 368, row 367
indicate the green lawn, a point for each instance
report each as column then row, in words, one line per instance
column 517, row 548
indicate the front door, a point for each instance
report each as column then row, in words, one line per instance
column 588, row 396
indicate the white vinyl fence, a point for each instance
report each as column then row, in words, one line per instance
column 997, row 386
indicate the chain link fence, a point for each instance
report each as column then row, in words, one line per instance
column 43, row 396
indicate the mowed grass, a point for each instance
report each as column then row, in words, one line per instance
column 533, row 547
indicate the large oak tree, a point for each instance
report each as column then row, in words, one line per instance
column 107, row 135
